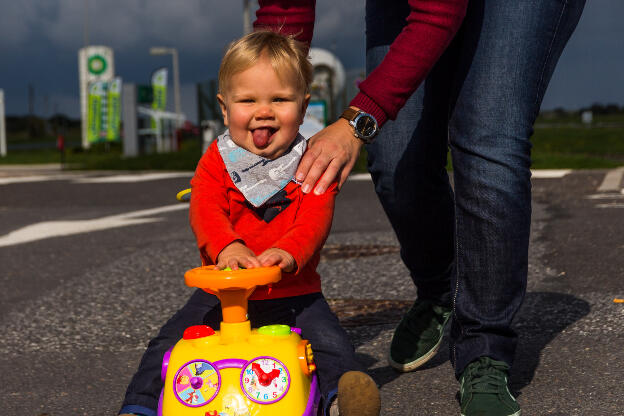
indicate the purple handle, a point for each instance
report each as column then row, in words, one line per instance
column 165, row 364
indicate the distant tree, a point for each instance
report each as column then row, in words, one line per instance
column 612, row 108
column 597, row 108
column 560, row 112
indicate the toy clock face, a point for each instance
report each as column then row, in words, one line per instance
column 265, row 380
column 196, row 383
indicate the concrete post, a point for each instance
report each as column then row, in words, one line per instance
column 129, row 108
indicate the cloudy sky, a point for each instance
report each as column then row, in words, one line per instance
column 39, row 42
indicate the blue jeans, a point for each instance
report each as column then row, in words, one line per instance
column 469, row 248
column 333, row 352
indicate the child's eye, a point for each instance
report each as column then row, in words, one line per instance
column 245, row 100
column 280, row 99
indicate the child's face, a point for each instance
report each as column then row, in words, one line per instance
column 262, row 111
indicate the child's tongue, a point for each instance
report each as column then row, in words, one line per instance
column 261, row 136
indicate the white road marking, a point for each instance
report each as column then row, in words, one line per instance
column 134, row 177
column 536, row 173
column 613, row 205
column 612, row 180
column 50, row 229
column 360, row 177
column 606, row 196
column 82, row 178
column 88, row 178
column 32, row 178
column 549, row 173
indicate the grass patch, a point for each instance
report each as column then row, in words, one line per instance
column 97, row 159
column 101, row 157
column 554, row 147
column 577, row 148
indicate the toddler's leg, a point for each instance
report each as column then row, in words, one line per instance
column 144, row 390
column 334, row 356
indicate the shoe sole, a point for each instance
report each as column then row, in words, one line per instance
column 413, row 365
column 514, row 414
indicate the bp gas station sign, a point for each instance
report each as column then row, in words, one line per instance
column 96, row 64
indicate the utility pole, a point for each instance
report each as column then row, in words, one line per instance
column 86, row 24
column 31, row 111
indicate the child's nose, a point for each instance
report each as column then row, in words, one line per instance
column 264, row 111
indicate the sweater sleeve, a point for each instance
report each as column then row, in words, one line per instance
column 209, row 210
column 431, row 25
column 306, row 236
column 289, row 17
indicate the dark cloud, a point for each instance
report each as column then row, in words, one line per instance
column 39, row 42
column 591, row 68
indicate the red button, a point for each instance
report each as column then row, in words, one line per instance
column 197, row 331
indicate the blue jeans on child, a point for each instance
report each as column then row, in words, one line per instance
column 333, row 352
column 469, row 247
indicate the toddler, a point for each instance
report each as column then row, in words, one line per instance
column 247, row 211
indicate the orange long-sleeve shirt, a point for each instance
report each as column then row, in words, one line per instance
column 291, row 220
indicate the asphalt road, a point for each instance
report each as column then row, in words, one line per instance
column 77, row 308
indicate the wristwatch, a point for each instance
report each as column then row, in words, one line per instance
column 364, row 125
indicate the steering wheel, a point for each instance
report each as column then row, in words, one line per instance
column 233, row 287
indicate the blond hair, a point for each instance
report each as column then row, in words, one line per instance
column 285, row 54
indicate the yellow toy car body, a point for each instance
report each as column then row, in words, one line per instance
column 237, row 371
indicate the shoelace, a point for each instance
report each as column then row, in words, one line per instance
column 485, row 377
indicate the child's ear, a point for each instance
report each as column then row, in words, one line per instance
column 221, row 100
column 304, row 107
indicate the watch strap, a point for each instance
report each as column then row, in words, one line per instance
column 349, row 113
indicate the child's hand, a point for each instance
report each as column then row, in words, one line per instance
column 277, row 256
column 237, row 254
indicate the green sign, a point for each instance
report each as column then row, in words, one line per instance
column 145, row 94
column 159, row 88
column 114, row 110
column 97, row 92
column 104, row 111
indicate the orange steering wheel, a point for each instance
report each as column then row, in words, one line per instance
column 233, row 287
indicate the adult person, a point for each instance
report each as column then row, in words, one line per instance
column 470, row 76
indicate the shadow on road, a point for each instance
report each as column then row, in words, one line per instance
column 542, row 317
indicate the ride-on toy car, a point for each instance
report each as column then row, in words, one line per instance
column 238, row 371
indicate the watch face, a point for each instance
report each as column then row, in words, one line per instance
column 366, row 126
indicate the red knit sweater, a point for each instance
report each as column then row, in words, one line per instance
column 291, row 220
column 430, row 27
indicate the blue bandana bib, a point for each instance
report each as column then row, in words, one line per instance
column 256, row 177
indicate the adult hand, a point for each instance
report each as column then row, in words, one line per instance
column 277, row 256
column 333, row 152
column 236, row 255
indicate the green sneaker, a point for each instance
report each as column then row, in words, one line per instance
column 419, row 335
column 483, row 390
